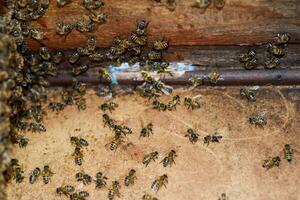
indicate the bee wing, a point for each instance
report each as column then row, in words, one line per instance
column 254, row 88
column 199, row 96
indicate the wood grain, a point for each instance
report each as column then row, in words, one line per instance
column 240, row 22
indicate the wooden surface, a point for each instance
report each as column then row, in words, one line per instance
column 240, row 22
column 233, row 166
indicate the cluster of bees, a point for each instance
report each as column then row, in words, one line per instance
column 275, row 51
column 82, row 25
column 275, row 161
column 15, row 172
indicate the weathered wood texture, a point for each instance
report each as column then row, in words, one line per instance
column 240, row 22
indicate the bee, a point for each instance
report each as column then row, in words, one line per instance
column 272, row 62
column 214, row 76
column 130, row 178
column 155, row 56
column 34, row 175
column 104, row 74
column 57, row 57
column 148, row 197
column 140, row 40
column 79, row 142
column 63, row 28
column 219, row 4
column 159, row 182
column 115, row 143
column 92, row 4
column 136, row 50
column 91, row 43
column 192, row 135
column 276, row 50
column 61, row 3
column 83, row 194
column 46, row 173
column 150, row 157
column 108, row 121
column 146, row 131
column 159, row 106
column 98, row 17
column 37, row 34
column 37, row 127
column 169, row 159
column 56, row 106
column 141, row 27
column 85, row 178
column 196, row 81
column 249, row 94
column 80, row 69
column 163, row 67
column 191, row 103
column 22, row 141
column 288, row 152
column 45, row 54
column 282, row 39
column 202, row 3
column 18, row 175
column 114, row 190
column 66, row 190
column 74, row 57
column 246, row 57
column 109, row 106
column 173, row 103
column 215, row 137
column 271, row 162
column 96, row 57
column 160, row 45
column 223, row 197
column 171, row 5
column 81, row 104
column 85, row 26
column 78, row 156
column 100, row 180
column 258, row 120
column 83, row 51
column 133, row 60
column 251, row 64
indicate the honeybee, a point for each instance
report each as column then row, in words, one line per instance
column 249, row 94
column 85, row 26
column 115, row 143
column 105, row 74
column 57, row 57
column 84, row 178
column 251, row 64
column 160, row 45
column 258, row 120
column 34, row 175
column 136, row 50
column 219, row 4
column 21, row 140
column 148, row 197
column 37, row 34
column 159, row 182
column 276, row 50
column 288, row 152
column 202, row 3
column 173, row 103
column 191, row 103
column 271, row 162
column 45, row 54
column 56, row 106
column 140, row 40
column 163, row 67
column 130, row 178
column 46, row 173
column 214, row 76
column 96, row 57
column 133, row 60
column 108, row 121
column 66, row 190
column 78, row 156
column 192, row 135
column 223, row 197
column 37, row 127
column 169, row 159
column 159, row 106
column 80, row 69
column 215, row 137
column 141, row 27
column 74, row 57
column 195, row 81
column 92, row 4
column 110, row 106
column 83, row 194
column 146, row 131
column 61, row 3
column 114, row 190
column 100, row 180
column 79, row 142
column 246, row 57
column 150, row 157
column 98, row 17
column 18, row 175
column 91, row 44
column 281, row 39
column 63, row 28
column 155, row 56
column 272, row 62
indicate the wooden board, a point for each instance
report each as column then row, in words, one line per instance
column 240, row 22
column 233, row 166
